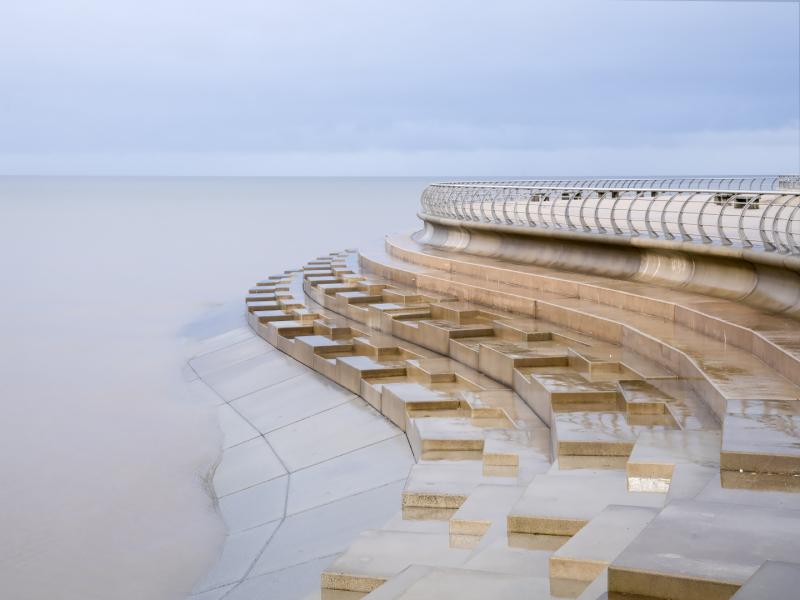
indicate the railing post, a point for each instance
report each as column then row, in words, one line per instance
column 768, row 245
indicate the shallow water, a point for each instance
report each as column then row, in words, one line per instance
column 106, row 281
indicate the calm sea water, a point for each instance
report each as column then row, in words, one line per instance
column 104, row 460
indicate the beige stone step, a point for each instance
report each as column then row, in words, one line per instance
column 561, row 504
column 466, row 350
column 656, row 455
column 589, row 552
column 287, row 329
column 377, row 555
column 334, row 329
column 499, row 359
column 595, row 434
column 267, row 316
column 643, row 398
column 445, row 369
column 331, row 289
column 360, row 297
column 421, row 583
column 510, row 451
column 316, row 278
column 260, row 305
column 309, row 346
column 258, row 295
column 372, row 388
column 485, row 506
column 703, row 550
column 774, row 579
column 675, row 399
column 496, row 556
column 713, row 490
column 399, row 523
column 554, row 389
column 404, row 399
column 761, row 436
column 446, row 485
column 445, row 438
column 595, row 365
column 438, row 333
column 270, row 286
column 304, row 314
column 350, row 370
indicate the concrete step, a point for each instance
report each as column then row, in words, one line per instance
column 712, row 550
column 377, row 555
column 560, row 504
column 589, row 552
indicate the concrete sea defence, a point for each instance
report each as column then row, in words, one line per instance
column 575, row 433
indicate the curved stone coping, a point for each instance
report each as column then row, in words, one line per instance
column 767, row 281
column 290, row 505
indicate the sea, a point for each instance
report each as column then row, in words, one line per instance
column 108, row 284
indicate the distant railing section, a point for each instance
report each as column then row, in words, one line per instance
column 748, row 183
column 759, row 213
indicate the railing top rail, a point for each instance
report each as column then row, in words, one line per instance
column 617, row 188
column 737, row 183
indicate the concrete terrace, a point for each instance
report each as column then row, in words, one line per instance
column 425, row 421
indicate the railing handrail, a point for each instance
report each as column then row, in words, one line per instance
column 756, row 220
column 737, row 183
column 612, row 189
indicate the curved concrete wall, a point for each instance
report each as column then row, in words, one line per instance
column 770, row 288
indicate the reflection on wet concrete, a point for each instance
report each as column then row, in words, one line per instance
column 307, row 465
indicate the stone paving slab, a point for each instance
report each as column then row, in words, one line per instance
column 466, row 584
column 290, row 401
column 327, row 529
column 704, row 550
column 246, row 465
column 761, row 436
column 486, row 505
column 329, row 434
column 589, row 552
column 773, row 579
column 363, row 469
column 253, row 374
column 229, row 355
column 656, row 454
column 446, row 484
column 375, row 556
column 561, row 504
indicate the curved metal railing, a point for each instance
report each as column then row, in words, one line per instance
column 738, row 183
column 759, row 213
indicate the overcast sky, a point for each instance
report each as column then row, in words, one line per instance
column 411, row 87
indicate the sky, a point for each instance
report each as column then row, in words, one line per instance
column 329, row 87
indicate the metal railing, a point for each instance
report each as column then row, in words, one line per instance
column 738, row 183
column 759, row 213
